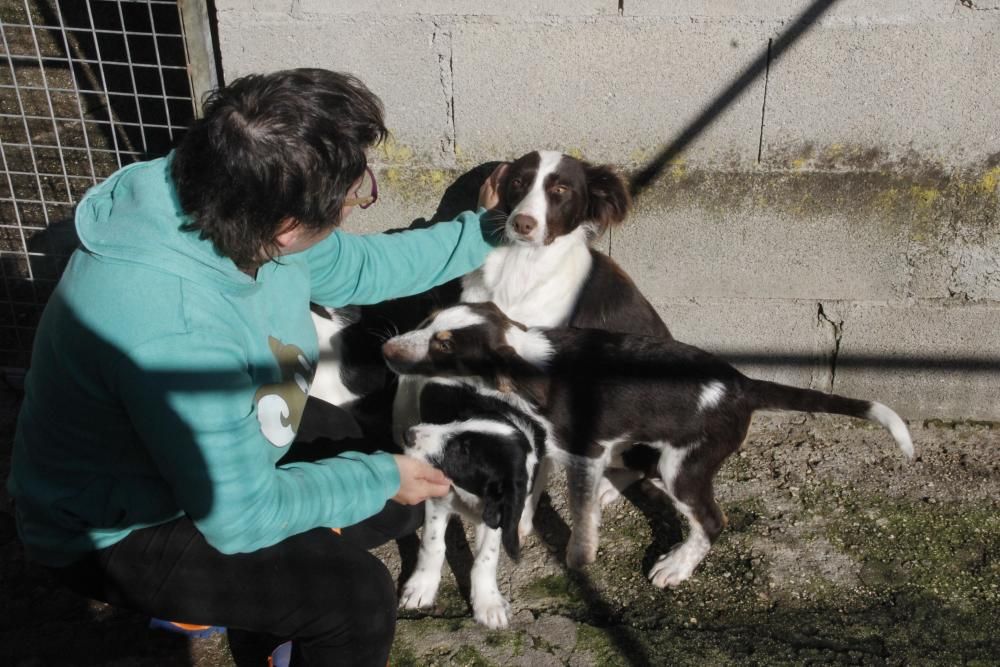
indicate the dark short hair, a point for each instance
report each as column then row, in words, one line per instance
column 273, row 146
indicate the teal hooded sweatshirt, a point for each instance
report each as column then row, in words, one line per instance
column 165, row 381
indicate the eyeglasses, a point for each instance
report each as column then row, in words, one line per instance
column 368, row 185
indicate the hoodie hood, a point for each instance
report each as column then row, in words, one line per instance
column 135, row 216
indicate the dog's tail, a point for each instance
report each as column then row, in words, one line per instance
column 774, row 396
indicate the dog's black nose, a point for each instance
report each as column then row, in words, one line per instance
column 524, row 224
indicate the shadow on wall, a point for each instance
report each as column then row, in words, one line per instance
column 644, row 177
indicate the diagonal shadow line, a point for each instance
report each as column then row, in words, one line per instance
column 645, row 176
column 895, row 361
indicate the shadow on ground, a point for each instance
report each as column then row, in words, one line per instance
column 836, row 552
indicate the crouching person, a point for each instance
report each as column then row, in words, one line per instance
column 171, row 367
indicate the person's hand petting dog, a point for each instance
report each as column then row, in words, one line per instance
column 489, row 191
column 419, row 481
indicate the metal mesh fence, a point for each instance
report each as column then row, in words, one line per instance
column 86, row 86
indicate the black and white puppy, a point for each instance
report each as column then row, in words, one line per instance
column 604, row 396
column 489, row 444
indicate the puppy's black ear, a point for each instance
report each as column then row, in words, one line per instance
column 609, row 201
column 504, row 503
column 492, row 499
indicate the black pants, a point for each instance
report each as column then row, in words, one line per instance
column 323, row 590
column 320, row 589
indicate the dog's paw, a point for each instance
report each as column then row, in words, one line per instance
column 419, row 591
column 607, row 493
column 525, row 528
column 579, row 556
column 672, row 569
column 491, row 609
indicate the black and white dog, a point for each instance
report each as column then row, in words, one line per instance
column 607, row 397
column 489, row 444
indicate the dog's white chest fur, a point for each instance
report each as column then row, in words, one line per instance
column 537, row 286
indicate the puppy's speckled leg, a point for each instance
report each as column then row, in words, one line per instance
column 421, row 588
column 488, row 606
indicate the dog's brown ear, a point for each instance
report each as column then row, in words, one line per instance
column 513, row 374
column 501, row 183
column 608, row 199
column 506, row 361
column 505, row 383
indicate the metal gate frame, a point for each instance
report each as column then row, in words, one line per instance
column 86, row 86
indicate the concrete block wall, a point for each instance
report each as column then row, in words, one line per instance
column 841, row 210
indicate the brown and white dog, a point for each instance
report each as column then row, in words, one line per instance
column 618, row 400
column 547, row 274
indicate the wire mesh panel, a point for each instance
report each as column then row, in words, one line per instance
column 86, row 86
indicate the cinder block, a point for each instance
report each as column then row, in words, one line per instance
column 458, row 8
column 862, row 95
column 962, row 258
column 399, row 60
column 765, row 236
column 923, row 360
column 768, row 339
column 841, row 10
column 983, row 5
column 611, row 90
column 262, row 6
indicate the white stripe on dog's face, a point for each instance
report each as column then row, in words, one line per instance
column 535, row 204
column 426, row 442
column 413, row 346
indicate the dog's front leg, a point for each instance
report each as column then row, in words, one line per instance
column 583, row 478
column 488, row 606
column 614, row 482
column 422, row 586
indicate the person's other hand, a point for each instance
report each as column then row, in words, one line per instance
column 419, row 481
column 489, row 192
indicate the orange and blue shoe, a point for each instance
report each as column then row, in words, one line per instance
column 187, row 629
column 280, row 656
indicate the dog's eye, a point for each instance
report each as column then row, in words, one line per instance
column 560, row 189
column 443, row 344
column 516, row 182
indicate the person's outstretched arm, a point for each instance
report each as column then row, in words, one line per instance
column 364, row 269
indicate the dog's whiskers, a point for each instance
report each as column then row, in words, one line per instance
column 496, row 221
column 382, row 334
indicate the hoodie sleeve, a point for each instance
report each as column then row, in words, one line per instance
column 198, row 422
column 363, row 269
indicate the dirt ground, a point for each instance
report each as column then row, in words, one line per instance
column 838, row 551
